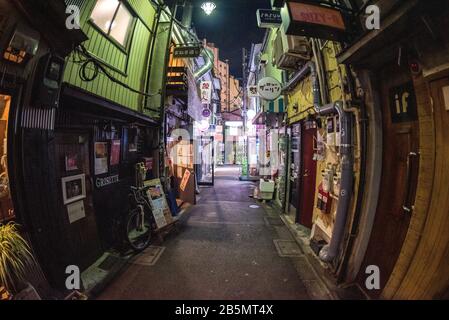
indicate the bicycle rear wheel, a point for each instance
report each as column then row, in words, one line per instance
column 138, row 232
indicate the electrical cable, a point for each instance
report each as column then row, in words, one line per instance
column 91, row 68
column 170, row 15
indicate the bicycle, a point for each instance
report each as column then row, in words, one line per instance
column 139, row 223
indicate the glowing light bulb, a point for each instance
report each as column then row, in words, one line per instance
column 208, row 7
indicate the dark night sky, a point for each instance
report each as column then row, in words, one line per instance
column 232, row 26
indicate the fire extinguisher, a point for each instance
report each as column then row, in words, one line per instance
column 324, row 200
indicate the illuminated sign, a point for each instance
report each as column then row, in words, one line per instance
column 304, row 19
column 206, row 92
column 187, row 52
column 269, row 18
column 269, row 88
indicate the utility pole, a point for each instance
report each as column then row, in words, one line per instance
column 245, row 113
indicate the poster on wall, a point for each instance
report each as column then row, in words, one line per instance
column 115, row 152
column 76, row 211
column 71, row 162
column 101, row 158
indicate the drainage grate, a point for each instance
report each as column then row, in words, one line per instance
column 287, row 248
column 149, row 257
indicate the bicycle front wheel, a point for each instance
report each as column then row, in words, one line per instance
column 138, row 230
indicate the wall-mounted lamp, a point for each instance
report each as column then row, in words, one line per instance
column 22, row 47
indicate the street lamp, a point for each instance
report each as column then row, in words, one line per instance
column 208, row 7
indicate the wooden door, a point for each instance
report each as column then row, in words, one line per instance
column 307, row 178
column 73, row 159
column 400, row 167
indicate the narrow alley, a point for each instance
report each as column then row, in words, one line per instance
column 224, row 251
column 224, row 150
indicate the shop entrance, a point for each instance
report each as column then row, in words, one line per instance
column 399, row 174
column 6, row 205
column 303, row 177
column 206, row 166
column 295, row 168
column 307, row 179
column 73, row 168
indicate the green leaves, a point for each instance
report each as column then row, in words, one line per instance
column 15, row 257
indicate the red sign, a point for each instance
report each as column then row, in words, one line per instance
column 307, row 13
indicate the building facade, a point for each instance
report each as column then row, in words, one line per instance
column 378, row 97
column 87, row 100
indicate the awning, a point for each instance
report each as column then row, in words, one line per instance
column 277, row 106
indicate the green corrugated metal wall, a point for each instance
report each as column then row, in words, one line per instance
column 129, row 66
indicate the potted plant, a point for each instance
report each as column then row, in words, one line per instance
column 15, row 259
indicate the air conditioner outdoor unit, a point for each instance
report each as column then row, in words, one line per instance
column 290, row 52
column 263, row 59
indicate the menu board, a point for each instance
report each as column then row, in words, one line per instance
column 161, row 210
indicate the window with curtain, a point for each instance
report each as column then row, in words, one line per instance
column 113, row 18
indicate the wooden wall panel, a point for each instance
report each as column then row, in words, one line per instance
column 424, row 191
column 129, row 65
column 428, row 276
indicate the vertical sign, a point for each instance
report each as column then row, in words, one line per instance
column 206, row 92
column 253, row 92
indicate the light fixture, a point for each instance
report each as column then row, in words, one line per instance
column 251, row 114
column 208, row 7
column 22, row 47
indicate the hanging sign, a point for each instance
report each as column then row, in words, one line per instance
column 269, row 88
column 206, row 92
column 253, row 92
column 269, row 18
column 311, row 20
column 187, row 52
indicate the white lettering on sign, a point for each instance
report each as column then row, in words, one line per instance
column 269, row 88
column 103, row 182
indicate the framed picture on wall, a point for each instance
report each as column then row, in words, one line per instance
column 74, row 188
column 71, row 162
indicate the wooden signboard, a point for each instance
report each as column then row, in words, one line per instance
column 161, row 210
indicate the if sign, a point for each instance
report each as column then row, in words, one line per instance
column 403, row 103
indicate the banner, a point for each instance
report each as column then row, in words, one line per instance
column 206, row 92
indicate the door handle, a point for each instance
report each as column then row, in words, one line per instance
column 409, row 205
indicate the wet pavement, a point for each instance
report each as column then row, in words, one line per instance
column 223, row 250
